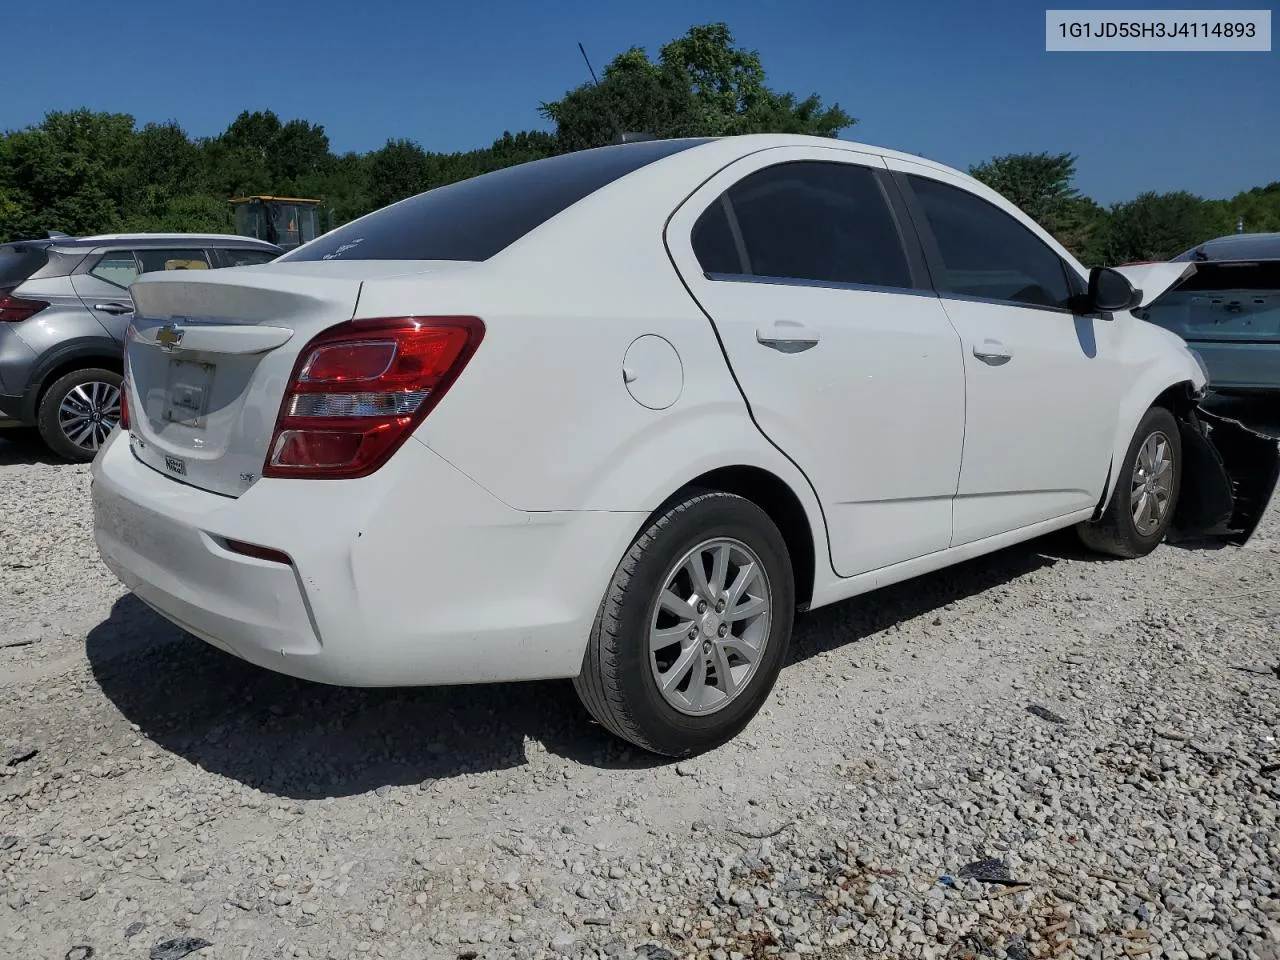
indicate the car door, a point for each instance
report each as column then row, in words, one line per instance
column 104, row 289
column 802, row 261
column 1042, row 383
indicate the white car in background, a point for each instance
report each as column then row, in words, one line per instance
column 617, row 415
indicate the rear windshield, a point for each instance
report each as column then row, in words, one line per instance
column 17, row 263
column 1260, row 277
column 477, row 218
column 1240, row 246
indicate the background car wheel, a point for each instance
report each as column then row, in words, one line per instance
column 1146, row 495
column 78, row 411
column 693, row 629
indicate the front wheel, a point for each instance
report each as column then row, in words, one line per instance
column 693, row 629
column 1146, row 495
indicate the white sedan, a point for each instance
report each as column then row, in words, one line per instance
column 618, row 415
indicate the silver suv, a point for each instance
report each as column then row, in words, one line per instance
column 64, row 309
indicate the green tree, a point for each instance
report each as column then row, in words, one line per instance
column 701, row 85
column 1157, row 226
column 1039, row 184
column 1042, row 185
column 70, row 173
column 400, row 169
column 1260, row 208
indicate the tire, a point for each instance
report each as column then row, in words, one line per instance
column 619, row 682
column 1118, row 533
column 78, row 411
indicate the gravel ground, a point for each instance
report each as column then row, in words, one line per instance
column 1036, row 754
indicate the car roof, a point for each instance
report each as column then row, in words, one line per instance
column 144, row 241
column 751, row 142
column 1236, row 246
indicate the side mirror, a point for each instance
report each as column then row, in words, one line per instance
column 1111, row 292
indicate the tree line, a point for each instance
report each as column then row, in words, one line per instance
column 82, row 172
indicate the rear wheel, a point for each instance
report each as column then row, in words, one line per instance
column 693, row 629
column 1146, row 495
column 78, row 411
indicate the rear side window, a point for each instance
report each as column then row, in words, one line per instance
column 235, row 257
column 988, row 254
column 713, row 242
column 17, row 263
column 150, row 261
column 118, row 269
column 812, row 220
column 478, row 218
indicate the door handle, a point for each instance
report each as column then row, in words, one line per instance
column 992, row 352
column 787, row 336
column 113, row 308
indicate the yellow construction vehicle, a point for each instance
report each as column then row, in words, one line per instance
column 284, row 221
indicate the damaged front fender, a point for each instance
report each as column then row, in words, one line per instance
column 1229, row 475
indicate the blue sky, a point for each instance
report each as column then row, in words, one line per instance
column 957, row 82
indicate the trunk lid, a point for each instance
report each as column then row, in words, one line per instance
column 1225, row 302
column 209, row 356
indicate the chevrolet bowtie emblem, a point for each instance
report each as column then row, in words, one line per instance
column 168, row 336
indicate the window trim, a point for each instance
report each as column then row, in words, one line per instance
column 908, row 241
column 937, row 266
column 93, row 265
column 824, row 284
column 206, row 252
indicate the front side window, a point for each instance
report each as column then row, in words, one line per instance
column 809, row 220
column 154, row 260
column 988, row 254
column 118, row 269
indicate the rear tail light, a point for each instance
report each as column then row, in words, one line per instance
column 124, row 406
column 16, row 309
column 360, row 389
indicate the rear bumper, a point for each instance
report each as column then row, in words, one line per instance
column 413, row 576
column 16, row 363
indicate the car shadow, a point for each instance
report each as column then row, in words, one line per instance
column 22, row 445
column 302, row 740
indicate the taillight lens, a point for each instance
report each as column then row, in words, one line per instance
column 124, row 406
column 359, row 390
column 16, row 309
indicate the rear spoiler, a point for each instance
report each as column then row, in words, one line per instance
column 1154, row 279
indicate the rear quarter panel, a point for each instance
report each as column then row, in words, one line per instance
column 542, row 416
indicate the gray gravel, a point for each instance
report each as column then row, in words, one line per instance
column 155, row 791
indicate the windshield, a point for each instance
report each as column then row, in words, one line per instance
column 17, row 263
column 477, row 218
